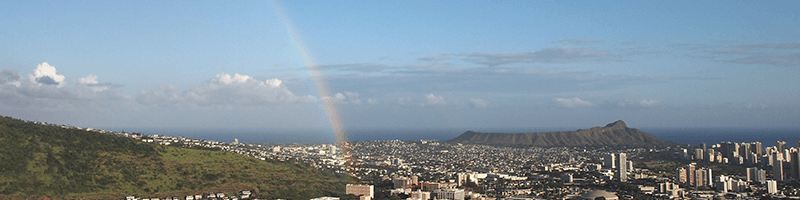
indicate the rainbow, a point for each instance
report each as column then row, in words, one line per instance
column 333, row 116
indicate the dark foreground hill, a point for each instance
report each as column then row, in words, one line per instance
column 613, row 134
column 48, row 161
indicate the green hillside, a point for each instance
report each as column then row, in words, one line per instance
column 41, row 160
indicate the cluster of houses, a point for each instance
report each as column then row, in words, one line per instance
column 246, row 194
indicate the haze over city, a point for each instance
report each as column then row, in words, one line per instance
column 209, row 64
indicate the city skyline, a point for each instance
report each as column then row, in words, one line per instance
column 401, row 64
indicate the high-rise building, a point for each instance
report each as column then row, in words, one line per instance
column 609, row 161
column 700, row 178
column 756, row 148
column 767, row 160
column 710, row 156
column 781, row 145
column 629, row 166
column 709, row 178
column 777, row 167
column 703, row 146
column 744, row 150
column 795, row 163
column 729, row 149
column 761, row 176
column 772, row 187
column 681, row 176
column 752, row 158
column 690, row 173
column 698, row 154
column 622, row 172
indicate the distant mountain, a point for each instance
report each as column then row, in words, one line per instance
column 613, row 134
column 39, row 160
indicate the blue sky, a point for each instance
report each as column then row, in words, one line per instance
column 412, row 64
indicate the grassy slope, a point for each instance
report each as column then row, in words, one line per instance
column 37, row 160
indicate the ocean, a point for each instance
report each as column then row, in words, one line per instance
column 691, row 136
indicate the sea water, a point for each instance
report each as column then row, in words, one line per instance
column 690, row 136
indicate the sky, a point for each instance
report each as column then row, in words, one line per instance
column 401, row 64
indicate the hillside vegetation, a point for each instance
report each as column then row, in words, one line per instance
column 613, row 134
column 41, row 160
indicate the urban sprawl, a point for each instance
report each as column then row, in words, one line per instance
column 430, row 169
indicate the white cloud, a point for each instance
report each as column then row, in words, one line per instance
column 167, row 95
column 91, row 82
column 225, row 90
column 10, row 77
column 649, row 103
column 632, row 104
column 427, row 100
column 47, row 75
column 372, row 101
column 242, row 90
column 227, row 79
column 351, row 98
column 571, row 102
column 39, row 92
column 274, row 83
column 435, row 100
column 478, row 103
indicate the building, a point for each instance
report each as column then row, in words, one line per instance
column 772, row 187
column 360, row 190
column 597, row 194
column 701, row 178
column 777, row 167
column 609, row 161
column 781, row 145
column 400, row 182
column 681, row 176
column 698, row 154
column 744, row 149
column 566, row 178
column 795, row 163
column 690, row 174
column 756, row 148
column 710, row 155
column 622, row 171
column 326, row 198
column 703, row 146
column 750, row 174
column 420, row 195
column 629, row 166
column 449, row 193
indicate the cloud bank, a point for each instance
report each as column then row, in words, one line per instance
column 571, row 102
column 547, row 55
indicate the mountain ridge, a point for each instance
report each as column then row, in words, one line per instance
column 613, row 134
